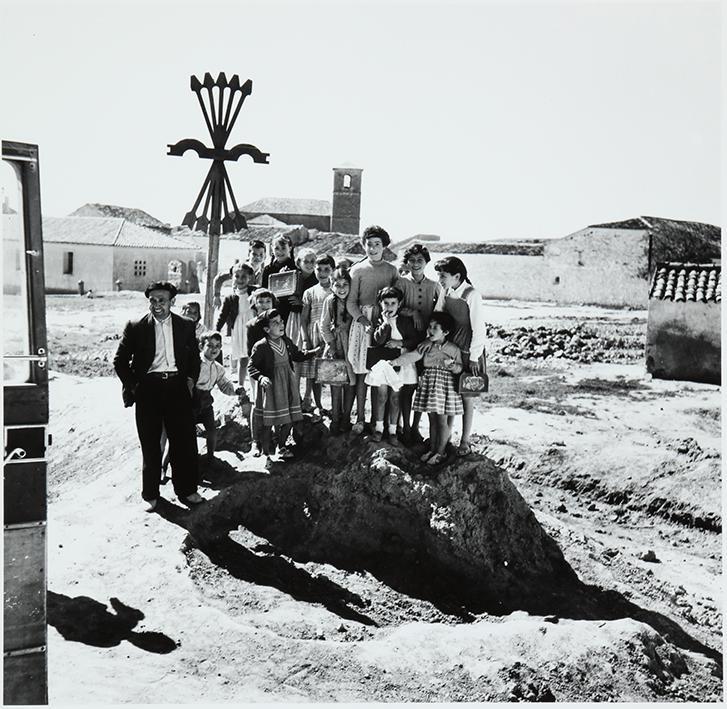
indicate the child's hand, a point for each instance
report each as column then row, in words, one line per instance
column 395, row 343
column 327, row 352
column 294, row 301
column 364, row 321
column 216, row 301
column 424, row 346
column 265, row 382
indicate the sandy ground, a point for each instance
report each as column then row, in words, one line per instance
column 613, row 464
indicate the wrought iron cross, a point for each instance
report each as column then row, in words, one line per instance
column 220, row 116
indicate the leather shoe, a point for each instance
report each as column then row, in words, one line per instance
column 194, row 499
column 150, row 505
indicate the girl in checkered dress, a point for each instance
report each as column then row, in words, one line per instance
column 436, row 394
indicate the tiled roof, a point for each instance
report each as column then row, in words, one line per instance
column 683, row 282
column 109, row 231
column 286, row 205
column 137, row 216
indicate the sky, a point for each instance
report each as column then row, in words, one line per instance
column 472, row 120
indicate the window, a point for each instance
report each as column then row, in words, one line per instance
column 15, row 308
column 140, row 268
column 67, row 263
column 347, row 182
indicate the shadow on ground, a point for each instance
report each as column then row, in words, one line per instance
column 404, row 568
column 85, row 620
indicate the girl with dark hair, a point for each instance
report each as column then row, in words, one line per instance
column 436, row 394
column 277, row 402
column 368, row 277
column 335, row 324
column 464, row 304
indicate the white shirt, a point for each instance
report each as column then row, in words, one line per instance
column 211, row 373
column 163, row 346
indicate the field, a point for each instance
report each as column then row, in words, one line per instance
column 622, row 471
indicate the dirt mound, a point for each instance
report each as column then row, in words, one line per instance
column 462, row 533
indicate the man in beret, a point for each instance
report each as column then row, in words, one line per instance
column 158, row 363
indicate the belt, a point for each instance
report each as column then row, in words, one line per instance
column 162, row 375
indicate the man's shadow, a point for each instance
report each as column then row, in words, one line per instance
column 85, row 620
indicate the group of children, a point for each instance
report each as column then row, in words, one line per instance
column 422, row 333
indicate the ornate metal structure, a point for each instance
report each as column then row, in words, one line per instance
column 221, row 101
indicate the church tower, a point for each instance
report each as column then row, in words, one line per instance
column 346, row 211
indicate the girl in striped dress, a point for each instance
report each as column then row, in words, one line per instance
column 310, row 331
column 436, row 394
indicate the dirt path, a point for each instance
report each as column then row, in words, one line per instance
column 253, row 625
column 621, row 470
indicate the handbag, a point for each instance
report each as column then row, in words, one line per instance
column 331, row 371
column 376, row 353
column 469, row 384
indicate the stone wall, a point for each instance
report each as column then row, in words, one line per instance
column 592, row 266
column 683, row 341
column 92, row 264
column 157, row 266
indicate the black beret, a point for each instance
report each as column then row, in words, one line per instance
column 161, row 285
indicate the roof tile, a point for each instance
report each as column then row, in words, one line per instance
column 687, row 282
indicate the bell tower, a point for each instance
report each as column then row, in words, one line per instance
column 346, row 211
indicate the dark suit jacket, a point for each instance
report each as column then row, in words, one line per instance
column 410, row 336
column 136, row 350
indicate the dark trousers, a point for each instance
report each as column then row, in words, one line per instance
column 168, row 402
column 205, row 414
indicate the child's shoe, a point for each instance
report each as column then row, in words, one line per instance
column 376, row 436
column 286, row 453
column 256, row 450
column 426, row 456
column 307, row 406
column 358, row 428
column 334, row 428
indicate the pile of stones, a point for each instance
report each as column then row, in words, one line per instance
column 577, row 343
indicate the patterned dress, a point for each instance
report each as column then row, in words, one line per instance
column 335, row 325
column 436, row 393
column 280, row 403
column 313, row 300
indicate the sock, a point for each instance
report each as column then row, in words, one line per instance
column 392, row 429
column 379, row 426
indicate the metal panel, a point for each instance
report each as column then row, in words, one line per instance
column 25, row 584
column 24, row 679
column 25, row 492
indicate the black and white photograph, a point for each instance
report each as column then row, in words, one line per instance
column 362, row 351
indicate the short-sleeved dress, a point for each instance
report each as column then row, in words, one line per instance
column 313, row 298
